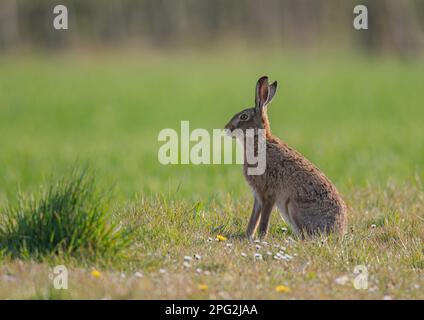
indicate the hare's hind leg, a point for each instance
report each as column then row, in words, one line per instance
column 254, row 218
column 287, row 211
column 307, row 220
column 293, row 213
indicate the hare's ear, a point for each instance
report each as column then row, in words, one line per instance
column 262, row 91
column 272, row 89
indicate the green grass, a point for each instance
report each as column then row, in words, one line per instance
column 67, row 218
column 359, row 119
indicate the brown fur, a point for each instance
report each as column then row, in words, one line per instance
column 306, row 198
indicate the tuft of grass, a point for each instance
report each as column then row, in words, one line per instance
column 67, row 218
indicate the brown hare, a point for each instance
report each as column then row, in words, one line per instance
column 306, row 198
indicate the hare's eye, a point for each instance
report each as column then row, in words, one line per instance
column 244, row 117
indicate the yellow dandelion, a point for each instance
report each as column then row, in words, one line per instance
column 311, row 275
column 221, row 238
column 203, row 287
column 282, row 289
column 96, row 274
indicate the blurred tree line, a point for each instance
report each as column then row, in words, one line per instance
column 394, row 25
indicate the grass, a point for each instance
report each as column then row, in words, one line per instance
column 67, row 218
column 359, row 119
column 166, row 231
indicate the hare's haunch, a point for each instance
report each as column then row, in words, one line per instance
column 306, row 198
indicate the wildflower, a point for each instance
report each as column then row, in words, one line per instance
column 258, row 246
column 269, row 253
column 258, row 256
column 290, row 239
column 282, row 256
column 197, row 257
column 187, row 258
column 243, row 254
column 373, row 226
column 186, row 264
column 229, row 245
column 203, row 287
column 221, row 238
column 96, row 274
column 264, row 243
column 210, row 239
column 162, row 270
column 311, row 275
column 284, row 229
column 199, row 270
column 282, row 289
column 342, row 280
column 138, row 274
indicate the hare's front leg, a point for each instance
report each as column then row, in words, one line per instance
column 254, row 218
column 265, row 215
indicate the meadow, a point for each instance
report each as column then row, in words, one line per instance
column 358, row 118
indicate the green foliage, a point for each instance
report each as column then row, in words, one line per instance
column 359, row 120
column 66, row 218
